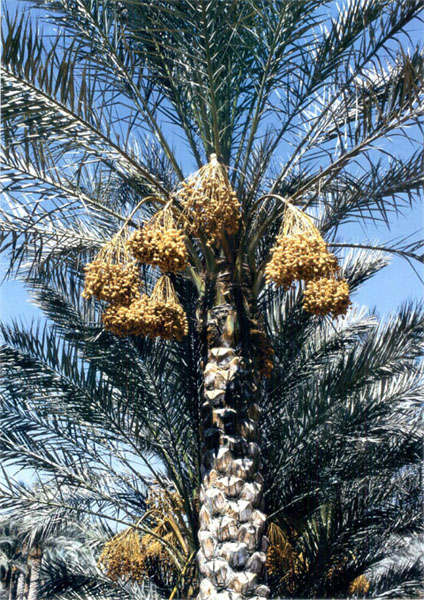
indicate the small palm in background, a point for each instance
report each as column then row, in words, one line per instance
column 298, row 110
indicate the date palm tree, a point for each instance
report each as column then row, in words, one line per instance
column 104, row 118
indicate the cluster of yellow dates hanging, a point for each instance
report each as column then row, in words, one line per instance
column 209, row 207
column 300, row 256
column 159, row 315
column 209, row 203
column 325, row 295
column 300, row 253
column 112, row 276
column 160, row 243
column 134, row 553
column 123, row 557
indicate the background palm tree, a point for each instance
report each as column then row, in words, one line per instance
column 68, row 566
column 11, row 565
column 89, row 120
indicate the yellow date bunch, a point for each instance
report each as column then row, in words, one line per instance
column 359, row 586
column 147, row 317
column 300, row 256
column 159, row 315
column 160, row 243
column 300, row 253
column 326, row 295
column 118, row 283
column 127, row 320
column 124, row 557
column 209, row 203
column 114, row 276
column 133, row 555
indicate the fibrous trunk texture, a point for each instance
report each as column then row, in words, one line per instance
column 11, row 585
column 34, row 582
column 231, row 533
column 20, row 588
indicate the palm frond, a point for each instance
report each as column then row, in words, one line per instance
column 62, row 97
column 355, row 68
column 331, row 430
column 401, row 580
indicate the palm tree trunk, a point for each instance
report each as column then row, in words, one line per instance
column 20, row 588
column 233, row 547
column 34, row 582
column 11, row 584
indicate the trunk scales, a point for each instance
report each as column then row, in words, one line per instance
column 35, row 558
column 233, row 546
